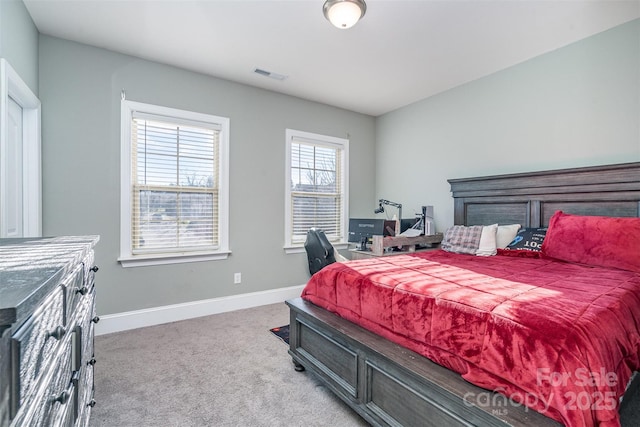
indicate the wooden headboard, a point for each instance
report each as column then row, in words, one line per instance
column 530, row 199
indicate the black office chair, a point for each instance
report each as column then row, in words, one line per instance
column 320, row 251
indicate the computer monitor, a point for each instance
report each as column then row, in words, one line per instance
column 368, row 227
column 361, row 230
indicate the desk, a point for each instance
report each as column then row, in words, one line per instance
column 408, row 245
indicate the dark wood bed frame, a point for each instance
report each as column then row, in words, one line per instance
column 389, row 385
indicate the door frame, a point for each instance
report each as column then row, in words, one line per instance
column 11, row 85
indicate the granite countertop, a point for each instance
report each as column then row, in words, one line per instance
column 30, row 268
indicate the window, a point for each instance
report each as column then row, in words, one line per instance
column 316, row 187
column 174, row 185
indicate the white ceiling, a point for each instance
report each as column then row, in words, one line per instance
column 400, row 52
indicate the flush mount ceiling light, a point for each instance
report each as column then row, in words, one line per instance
column 344, row 13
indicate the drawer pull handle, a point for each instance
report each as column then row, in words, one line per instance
column 62, row 398
column 92, row 361
column 94, row 268
column 91, row 403
column 57, row 333
column 96, row 319
column 82, row 291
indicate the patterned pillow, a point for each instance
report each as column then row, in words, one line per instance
column 462, row 239
column 528, row 239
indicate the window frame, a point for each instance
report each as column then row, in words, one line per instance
column 342, row 144
column 127, row 258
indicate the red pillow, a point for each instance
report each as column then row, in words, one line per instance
column 594, row 240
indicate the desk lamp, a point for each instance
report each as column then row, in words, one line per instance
column 383, row 202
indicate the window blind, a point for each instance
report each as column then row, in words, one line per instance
column 316, row 190
column 175, row 185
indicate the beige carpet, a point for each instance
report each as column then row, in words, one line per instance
column 220, row 370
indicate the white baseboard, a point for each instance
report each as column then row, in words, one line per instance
column 171, row 313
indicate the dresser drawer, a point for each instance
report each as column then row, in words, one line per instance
column 88, row 326
column 83, row 329
column 75, row 290
column 84, row 361
column 84, row 400
column 89, row 268
column 63, row 414
column 33, row 345
column 54, row 396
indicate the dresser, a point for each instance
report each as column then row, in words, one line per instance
column 47, row 318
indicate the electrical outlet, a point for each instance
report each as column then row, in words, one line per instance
column 237, row 278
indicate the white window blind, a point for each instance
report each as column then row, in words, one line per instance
column 174, row 185
column 317, row 193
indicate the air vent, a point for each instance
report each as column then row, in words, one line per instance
column 269, row 74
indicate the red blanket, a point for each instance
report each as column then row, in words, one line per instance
column 561, row 338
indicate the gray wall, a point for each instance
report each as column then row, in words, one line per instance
column 19, row 41
column 576, row 106
column 80, row 90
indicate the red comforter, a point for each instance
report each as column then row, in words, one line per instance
column 561, row 338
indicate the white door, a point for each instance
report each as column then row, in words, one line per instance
column 12, row 209
column 20, row 163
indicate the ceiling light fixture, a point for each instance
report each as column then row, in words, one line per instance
column 344, row 13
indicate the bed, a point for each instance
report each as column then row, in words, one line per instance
column 382, row 363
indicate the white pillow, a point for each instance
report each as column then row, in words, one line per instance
column 487, row 245
column 506, row 234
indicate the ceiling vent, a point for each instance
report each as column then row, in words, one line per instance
column 269, row 74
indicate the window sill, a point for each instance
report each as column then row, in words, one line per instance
column 297, row 249
column 148, row 260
